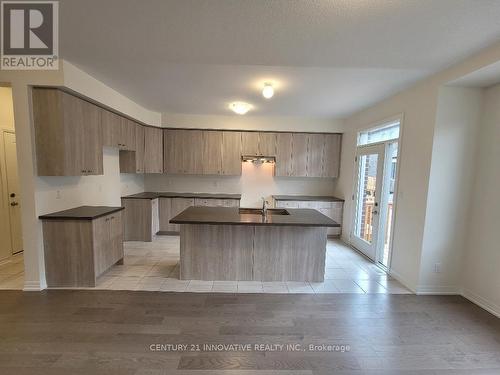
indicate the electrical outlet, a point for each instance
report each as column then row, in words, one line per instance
column 437, row 267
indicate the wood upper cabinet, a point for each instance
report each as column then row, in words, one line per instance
column 331, row 155
column 258, row 143
column 140, row 148
column 153, row 150
column 133, row 161
column 212, row 152
column 231, row 153
column 267, row 144
column 250, row 143
column 127, row 134
column 183, row 151
column 316, row 145
column 111, row 128
column 67, row 134
column 299, row 154
column 283, row 165
column 117, row 131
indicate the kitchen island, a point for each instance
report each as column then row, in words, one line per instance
column 230, row 243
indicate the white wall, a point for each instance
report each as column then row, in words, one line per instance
column 480, row 273
column 170, row 120
column 256, row 181
column 419, row 105
column 450, row 186
column 40, row 195
column 6, row 123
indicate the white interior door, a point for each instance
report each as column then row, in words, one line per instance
column 13, row 191
column 369, row 176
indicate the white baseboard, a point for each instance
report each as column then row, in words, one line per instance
column 402, row 280
column 481, row 302
column 438, row 290
column 34, row 286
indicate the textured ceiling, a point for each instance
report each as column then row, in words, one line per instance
column 328, row 58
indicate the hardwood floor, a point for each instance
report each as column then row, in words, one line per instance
column 112, row 332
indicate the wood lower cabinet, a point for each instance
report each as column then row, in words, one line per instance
column 67, row 134
column 332, row 209
column 140, row 219
column 77, row 252
column 153, row 150
column 170, row 207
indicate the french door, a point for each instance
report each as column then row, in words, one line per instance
column 367, row 198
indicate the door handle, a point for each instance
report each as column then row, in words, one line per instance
column 375, row 212
column 14, row 204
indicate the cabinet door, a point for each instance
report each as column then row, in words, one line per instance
column 184, row 151
column 139, row 148
column 231, row 153
column 165, row 214
column 116, row 238
column 283, row 165
column 212, row 152
column 331, row 155
column 231, row 202
column 127, row 136
column 172, row 151
column 267, row 144
column 250, row 143
column 93, row 152
column 111, row 128
column 74, row 135
column 335, row 231
column 315, row 148
column 299, row 155
column 153, row 157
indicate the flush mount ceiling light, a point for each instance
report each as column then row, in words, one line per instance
column 240, row 108
column 268, row 91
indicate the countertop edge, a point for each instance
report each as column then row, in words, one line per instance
column 312, row 198
column 155, row 195
column 256, row 224
column 63, row 217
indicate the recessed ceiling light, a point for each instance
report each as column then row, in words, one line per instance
column 240, row 108
column 268, row 91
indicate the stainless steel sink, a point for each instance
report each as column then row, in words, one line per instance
column 258, row 211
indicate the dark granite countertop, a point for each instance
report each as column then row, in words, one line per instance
column 301, row 217
column 154, row 195
column 81, row 213
column 320, row 198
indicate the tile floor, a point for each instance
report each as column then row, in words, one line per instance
column 154, row 266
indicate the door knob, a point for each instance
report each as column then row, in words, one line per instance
column 14, row 204
column 12, row 195
column 375, row 212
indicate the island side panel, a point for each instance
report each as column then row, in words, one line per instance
column 285, row 253
column 216, row 252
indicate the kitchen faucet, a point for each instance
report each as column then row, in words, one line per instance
column 264, row 207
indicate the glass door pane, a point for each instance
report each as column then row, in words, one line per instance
column 367, row 198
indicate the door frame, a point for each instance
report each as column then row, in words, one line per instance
column 398, row 117
column 3, row 183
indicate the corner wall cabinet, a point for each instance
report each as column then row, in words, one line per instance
column 67, row 134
